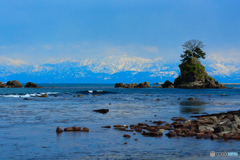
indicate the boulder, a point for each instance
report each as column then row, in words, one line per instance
column 106, row 126
column 144, row 85
column 191, row 99
column 2, row 85
column 59, row 129
column 167, row 84
column 68, row 129
column 119, row 85
column 85, row 129
column 44, row 95
column 76, row 128
column 152, row 134
column 14, row 84
column 31, row 85
column 103, row 111
column 126, row 136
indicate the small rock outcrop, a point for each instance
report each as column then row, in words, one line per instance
column 133, row 85
column 167, row 84
column 2, row 85
column 194, row 75
column 31, row 85
column 44, row 95
column 59, row 129
column 14, row 84
column 103, row 111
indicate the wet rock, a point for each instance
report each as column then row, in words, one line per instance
column 26, row 99
column 14, row 84
column 142, row 124
column 214, row 136
column 136, row 139
column 129, row 130
column 165, row 127
column 103, row 111
column 118, row 125
column 225, row 121
column 152, row 134
column 138, row 130
column 68, row 129
column 109, row 103
column 147, row 94
column 74, row 96
column 171, row 134
column 59, row 129
column 125, row 143
column 134, row 133
column 44, row 95
column 157, row 99
column 76, row 128
column 85, row 129
column 106, row 126
column 80, row 95
column 126, row 136
column 191, row 99
column 31, row 85
column 178, row 119
column 179, row 99
column 158, row 122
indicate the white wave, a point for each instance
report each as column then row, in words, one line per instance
column 27, row 95
column 90, row 91
column 99, row 90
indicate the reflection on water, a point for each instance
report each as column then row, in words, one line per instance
column 193, row 103
column 191, row 110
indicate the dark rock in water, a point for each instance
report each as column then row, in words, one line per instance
column 119, row 85
column 76, row 128
column 191, row 99
column 126, row 136
column 68, row 129
column 106, row 126
column 144, row 85
column 14, row 84
column 125, row 143
column 178, row 119
column 44, row 95
column 59, row 129
column 80, row 95
column 158, row 122
column 103, row 111
column 132, row 85
column 31, row 85
column 2, row 85
column 167, row 84
column 85, row 129
column 152, row 134
column 157, row 99
column 26, row 99
column 194, row 75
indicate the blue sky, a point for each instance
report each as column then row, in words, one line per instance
column 37, row 32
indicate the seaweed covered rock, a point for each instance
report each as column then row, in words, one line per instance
column 194, row 75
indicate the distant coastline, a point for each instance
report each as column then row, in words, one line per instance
column 231, row 83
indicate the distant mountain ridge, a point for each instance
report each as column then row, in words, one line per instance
column 112, row 69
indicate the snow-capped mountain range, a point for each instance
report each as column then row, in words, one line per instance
column 113, row 69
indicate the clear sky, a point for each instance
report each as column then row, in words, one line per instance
column 38, row 31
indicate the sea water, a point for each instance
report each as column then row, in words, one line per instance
column 28, row 127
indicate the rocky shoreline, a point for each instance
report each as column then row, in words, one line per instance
column 214, row 126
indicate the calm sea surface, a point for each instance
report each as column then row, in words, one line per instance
column 28, row 127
